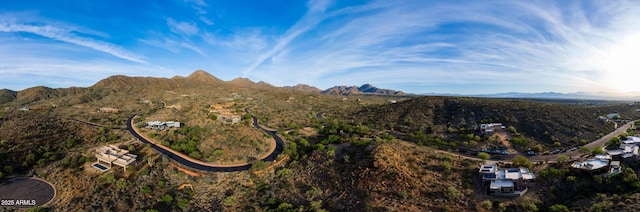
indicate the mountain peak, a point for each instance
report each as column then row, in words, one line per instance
column 203, row 76
column 242, row 81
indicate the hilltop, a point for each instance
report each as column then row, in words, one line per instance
column 304, row 87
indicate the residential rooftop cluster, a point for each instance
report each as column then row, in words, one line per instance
column 510, row 182
column 628, row 150
column 224, row 114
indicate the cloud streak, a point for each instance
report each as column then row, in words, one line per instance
column 546, row 46
column 67, row 35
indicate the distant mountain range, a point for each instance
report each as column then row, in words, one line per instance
column 197, row 80
column 347, row 90
column 202, row 79
column 635, row 96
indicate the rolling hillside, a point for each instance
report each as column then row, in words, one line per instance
column 450, row 118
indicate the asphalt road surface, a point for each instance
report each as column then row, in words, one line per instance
column 26, row 192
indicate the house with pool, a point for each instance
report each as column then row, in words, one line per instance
column 112, row 155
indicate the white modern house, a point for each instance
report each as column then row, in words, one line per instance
column 490, row 128
column 629, row 149
column 110, row 155
column 161, row 125
column 510, row 182
column 597, row 163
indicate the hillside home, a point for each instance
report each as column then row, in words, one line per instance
column 160, row 125
column 632, row 140
column 109, row 110
column 228, row 117
column 628, row 150
column 490, row 128
column 596, row 164
column 510, row 182
column 109, row 155
column 613, row 116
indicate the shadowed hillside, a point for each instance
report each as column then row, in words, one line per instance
column 7, row 95
column 451, row 117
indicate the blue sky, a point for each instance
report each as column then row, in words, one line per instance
column 466, row 47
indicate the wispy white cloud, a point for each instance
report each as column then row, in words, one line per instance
column 250, row 40
column 206, row 20
column 67, row 35
column 314, row 15
column 181, row 27
column 550, row 45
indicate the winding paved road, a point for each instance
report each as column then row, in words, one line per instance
column 597, row 143
column 209, row 167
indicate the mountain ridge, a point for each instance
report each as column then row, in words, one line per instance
column 363, row 89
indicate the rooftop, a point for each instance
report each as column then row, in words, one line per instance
column 591, row 164
column 497, row 184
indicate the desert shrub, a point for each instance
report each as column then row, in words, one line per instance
column 522, row 161
column 167, row 198
column 260, row 165
column 558, row 208
column 452, row 193
column 484, row 155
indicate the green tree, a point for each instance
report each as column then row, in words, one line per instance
column 562, row 159
column 522, row 161
column 230, row 201
column 629, row 176
column 285, row 207
column 584, row 150
column 259, row 165
column 558, row 208
column 167, row 198
column 597, row 151
column 145, row 189
column 537, row 148
column 122, row 183
column 484, row 156
column 615, row 141
column 108, row 178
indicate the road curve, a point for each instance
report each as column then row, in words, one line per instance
column 597, row 143
column 203, row 166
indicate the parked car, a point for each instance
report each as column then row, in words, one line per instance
column 573, row 149
column 531, row 153
column 556, row 151
column 505, row 152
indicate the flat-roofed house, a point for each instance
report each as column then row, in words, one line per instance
column 505, row 181
column 490, row 128
column 593, row 165
column 109, row 110
column 109, row 155
column 161, row 125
